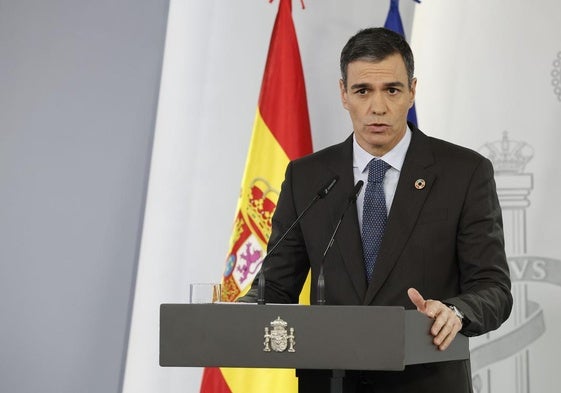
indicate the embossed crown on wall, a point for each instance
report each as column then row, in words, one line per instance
column 508, row 156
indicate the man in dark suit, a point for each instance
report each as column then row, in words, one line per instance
column 441, row 236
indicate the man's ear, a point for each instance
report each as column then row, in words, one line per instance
column 344, row 95
column 413, row 91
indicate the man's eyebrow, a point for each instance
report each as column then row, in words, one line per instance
column 359, row 86
column 394, row 84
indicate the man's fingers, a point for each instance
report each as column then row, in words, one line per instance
column 437, row 326
column 446, row 324
column 445, row 328
column 444, row 343
column 417, row 299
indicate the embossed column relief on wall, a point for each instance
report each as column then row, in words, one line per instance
column 506, row 352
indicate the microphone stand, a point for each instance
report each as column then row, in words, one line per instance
column 321, row 277
column 322, row 193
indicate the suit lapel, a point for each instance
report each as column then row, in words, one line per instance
column 349, row 243
column 348, row 240
column 406, row 206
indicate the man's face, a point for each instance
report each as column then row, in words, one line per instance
column 378, row 98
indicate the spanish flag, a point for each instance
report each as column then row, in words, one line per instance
column 281, row 132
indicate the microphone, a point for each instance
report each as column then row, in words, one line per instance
column 320, row 194
column 321, row 279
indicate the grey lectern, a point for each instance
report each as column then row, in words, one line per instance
column 301, row 337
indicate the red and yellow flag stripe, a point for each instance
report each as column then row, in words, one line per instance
column 281, row 132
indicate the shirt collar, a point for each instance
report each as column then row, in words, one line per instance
column 394, row 157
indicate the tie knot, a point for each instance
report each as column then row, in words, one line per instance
column 377, row 170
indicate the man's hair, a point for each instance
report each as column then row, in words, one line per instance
column 376, row 44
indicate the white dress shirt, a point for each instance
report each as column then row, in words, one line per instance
column 394, row 158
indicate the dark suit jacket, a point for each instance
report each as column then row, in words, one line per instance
column 446, row 240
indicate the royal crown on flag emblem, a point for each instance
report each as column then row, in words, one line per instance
column 508, row 156
column 261, row 207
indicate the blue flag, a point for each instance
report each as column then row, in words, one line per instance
column 393, row 22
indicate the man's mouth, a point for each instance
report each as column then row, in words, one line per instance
column 378, row 127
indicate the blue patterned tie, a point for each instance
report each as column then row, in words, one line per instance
column 374, row 215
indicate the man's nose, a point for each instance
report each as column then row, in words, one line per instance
column 378, row 104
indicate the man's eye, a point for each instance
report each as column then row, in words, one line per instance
column 393, row 91
column 362, row 91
